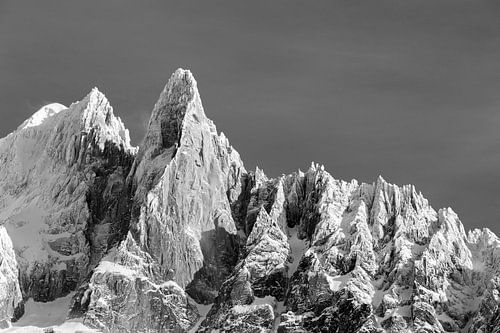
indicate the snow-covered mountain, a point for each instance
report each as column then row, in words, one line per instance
column 177, row 236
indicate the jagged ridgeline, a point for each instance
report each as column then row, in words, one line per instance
column 176, row 236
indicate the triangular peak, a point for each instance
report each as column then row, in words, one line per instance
column 179, row 97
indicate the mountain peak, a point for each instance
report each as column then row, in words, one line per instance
column 96, row 115
column 180, row 89
column 95, row 107
column 182, row 77
column 179, row 97
column 42, row 114
column 95, row 91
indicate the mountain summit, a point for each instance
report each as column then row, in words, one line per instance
column 177, row 236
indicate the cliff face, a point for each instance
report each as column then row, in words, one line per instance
column 177, row 236
column 185, row 178
column 60, row 175
column 182, row 233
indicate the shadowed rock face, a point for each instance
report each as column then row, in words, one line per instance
column 149, row 237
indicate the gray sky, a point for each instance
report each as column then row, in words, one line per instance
column 406, row 89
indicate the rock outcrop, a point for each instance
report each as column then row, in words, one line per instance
column 176, row 236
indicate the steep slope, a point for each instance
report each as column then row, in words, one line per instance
column 177, row 236
column 182, row 234
column 378, row 259
column 62, row 172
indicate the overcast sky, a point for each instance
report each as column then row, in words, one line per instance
column 406, row 89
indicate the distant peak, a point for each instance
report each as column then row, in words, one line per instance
column 380, row 180
column 96, row 98
column 260, row 176
column 96, row 94
column 42, row 114
column 94, row 109
column 316, row 167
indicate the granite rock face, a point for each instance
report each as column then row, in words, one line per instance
column 176, row 236
column 181, row 230
column 184, row 178
column 60, row 182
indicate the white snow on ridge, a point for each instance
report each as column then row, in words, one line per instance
column 43, row 113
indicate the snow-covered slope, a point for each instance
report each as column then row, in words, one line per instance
column 40, row 317
column 177, row 236
column 39, row 117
